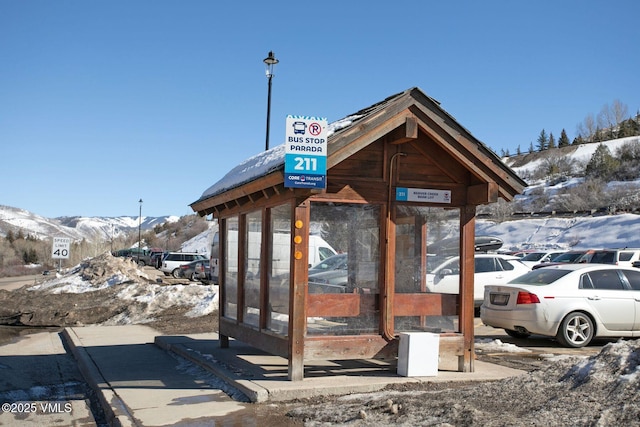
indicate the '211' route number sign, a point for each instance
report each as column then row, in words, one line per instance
column 61, row 247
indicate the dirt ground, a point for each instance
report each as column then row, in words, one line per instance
column 46, row 307
column 600, row 390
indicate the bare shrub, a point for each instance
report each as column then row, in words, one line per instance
column 585, row 196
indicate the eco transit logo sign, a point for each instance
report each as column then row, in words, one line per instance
column 305, row 158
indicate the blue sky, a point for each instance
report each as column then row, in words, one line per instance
column 103, row 103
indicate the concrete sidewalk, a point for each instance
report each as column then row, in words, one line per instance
column 140, row 384
column 143, row 380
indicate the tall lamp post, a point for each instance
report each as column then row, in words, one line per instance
column 270, row 63
column 139, row 230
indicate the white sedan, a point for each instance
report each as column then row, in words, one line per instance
column 489, row 268
column 573, row 303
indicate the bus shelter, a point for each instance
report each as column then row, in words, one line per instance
column 338, row 273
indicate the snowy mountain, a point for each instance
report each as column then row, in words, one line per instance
column 77, row 228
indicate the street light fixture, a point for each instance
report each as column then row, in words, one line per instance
column 270, row 63
column 139, row 230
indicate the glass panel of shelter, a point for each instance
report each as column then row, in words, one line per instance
column 279, row 278
column 352, row 230
column 426, row 269
column 252, row 255
column 230, row 303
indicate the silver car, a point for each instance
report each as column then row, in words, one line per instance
column 573, row 303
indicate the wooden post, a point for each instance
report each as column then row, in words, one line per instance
column 298, row 290
column 467, row 270
column 222, row 267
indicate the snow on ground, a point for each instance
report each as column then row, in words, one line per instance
column 497, row 346
column 106, row 271
column 608, row 231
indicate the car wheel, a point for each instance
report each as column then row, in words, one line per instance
column 576, row 330
column 141, row 264
column 516, row 334
column 193, row 277
column 176, row 273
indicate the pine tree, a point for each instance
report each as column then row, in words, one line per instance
column 602, row 164
column 564, row 139
column 578, row 140
column 542, row 140
column 552, row 141
column 518, row 152
column 531, row 150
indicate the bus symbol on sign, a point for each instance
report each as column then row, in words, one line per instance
column 299, row 127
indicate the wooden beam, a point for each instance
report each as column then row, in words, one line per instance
column 467, row 270
column 481, row 194
column 369, row 132
column 298, row 290
column 424, row 304
column 263, row 340
column 405, row 133
column 350, row 347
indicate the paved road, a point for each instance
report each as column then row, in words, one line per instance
column 11, row 283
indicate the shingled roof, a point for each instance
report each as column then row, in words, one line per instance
column 344, row 137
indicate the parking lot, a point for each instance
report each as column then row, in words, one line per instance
column 494, row 345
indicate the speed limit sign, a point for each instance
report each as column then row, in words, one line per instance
column 61, row 247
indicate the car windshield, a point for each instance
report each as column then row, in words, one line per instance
column 541, row 276
column 533, row 256
column 567, row 257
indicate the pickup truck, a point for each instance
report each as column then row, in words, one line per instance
column 144, row 258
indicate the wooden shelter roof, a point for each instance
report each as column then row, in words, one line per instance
column 398, row 118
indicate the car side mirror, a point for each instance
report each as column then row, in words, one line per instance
column 445, row 272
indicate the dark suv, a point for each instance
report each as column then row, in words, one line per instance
column 621, row 257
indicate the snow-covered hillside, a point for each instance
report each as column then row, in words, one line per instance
column 77, row 228
column 608, row 231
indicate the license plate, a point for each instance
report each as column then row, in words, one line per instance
column 499, row 299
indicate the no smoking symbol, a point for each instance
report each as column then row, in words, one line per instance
column 315, row 129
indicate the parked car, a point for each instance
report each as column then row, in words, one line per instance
column 196, row 271
column 334, row 262
column 573, row 303
column 144, row 257
column 489, row 269
column 533, row 258
column 519, row 254
column 156, row 259
column 569, row 257
column 172, row 262
column 622, row 257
